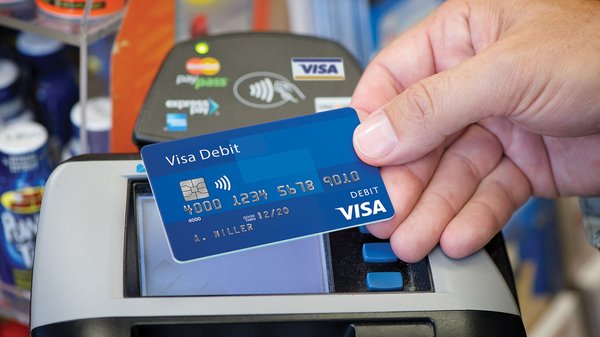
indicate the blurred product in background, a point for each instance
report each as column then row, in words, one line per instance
column 13, row 329
column 12, row 105
column 389, row 18
column 196, row 18
column 24, row 169
column 75, row 8
column 98, row 124
column 5, row 2
column 532, row 232
column 346, row 22
column 98, row 66
column 52, row 79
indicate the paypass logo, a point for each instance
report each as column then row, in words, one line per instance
column 362, row 210
column 318, row 69
column 200, row 74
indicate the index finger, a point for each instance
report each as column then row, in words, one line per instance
column 437, row 43
column 383, row 78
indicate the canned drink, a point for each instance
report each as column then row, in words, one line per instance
column 12, row 107
column 24, row 169
column 75, row 8
column 98, row 124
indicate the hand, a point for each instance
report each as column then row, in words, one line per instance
column 478, row 107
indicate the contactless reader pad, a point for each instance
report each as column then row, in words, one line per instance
column 234, row 80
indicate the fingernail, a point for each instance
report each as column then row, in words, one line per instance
column 375, row 137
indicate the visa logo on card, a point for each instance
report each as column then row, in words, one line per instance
column 263, row 184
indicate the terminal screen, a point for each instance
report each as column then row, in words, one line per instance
column 294, row 267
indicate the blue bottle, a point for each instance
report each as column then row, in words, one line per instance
column 12, row 106
column 98, row 126
column 54, row 82
column 24, row 169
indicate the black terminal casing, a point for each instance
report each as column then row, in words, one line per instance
column 244, row 79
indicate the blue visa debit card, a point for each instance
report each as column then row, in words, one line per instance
column 263, row 184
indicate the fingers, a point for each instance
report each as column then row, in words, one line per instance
column 409, row 104
column 437, row 43
column 496, row 199
column 407, row 60
column 426, row 113
column 462, row 167
column 404, row 184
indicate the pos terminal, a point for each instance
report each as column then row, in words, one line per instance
column 102, row 261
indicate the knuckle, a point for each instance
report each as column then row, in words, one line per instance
column 420, row 105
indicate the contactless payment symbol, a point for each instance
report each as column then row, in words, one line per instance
column 265, row 90
column 223, row 183
column 194, row 189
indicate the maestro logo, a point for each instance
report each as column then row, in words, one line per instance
column 266, row 90
column 200, row 74
column 208, row 66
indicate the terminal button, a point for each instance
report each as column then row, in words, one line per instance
column 378, row 252
column 384, row 281
column 363, row 229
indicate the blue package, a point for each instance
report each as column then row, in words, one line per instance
column 263, row 184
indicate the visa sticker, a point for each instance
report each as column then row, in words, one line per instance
column 263, row 184
column 318, row 69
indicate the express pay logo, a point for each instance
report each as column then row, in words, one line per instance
column 203, row 66
column 206, row 107
column 362, row 210
column 318, row 69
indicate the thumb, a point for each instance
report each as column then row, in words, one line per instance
column 431, row 110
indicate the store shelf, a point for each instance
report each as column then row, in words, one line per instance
column 14, row 303
column 27, row 17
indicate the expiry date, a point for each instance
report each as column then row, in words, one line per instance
column 272, row 213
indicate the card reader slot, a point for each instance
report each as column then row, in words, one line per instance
column 412, row 329
column 271, row 329
column 408, row 328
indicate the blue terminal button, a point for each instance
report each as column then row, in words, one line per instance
column 378, row 252
column 364, row 230
column 384, row 281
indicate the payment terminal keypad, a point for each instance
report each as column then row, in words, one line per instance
column 378, row 252
column 385, row 281
column 364, row 263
